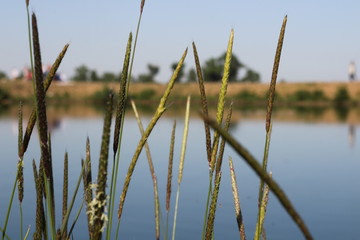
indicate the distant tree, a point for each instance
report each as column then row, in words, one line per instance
column 2, row 75
column 82, row 73
column 94, row 76
column 181, row 72
column 109, row 77
column 214, row 67
column 149, row 77
column 191, row 76
column 251, row 76
column 153, row 70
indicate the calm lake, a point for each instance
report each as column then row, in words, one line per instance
column 314, row 156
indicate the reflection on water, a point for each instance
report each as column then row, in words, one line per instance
column 314, row 156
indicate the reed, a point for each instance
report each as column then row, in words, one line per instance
column 152, row 172
column 99, row 217
column 238, row 213
column 253, row 163
column 160, row 110
column 181, row 164
column 270, row 105
column 47, row 83
column 41, row 114
column 119, row 124
column 211, row 216
column 169, row 178
column 222, row 144
column 65, row 191
column 87, row 180
column 221, row 101
column 40, row 227
column 219, row 117
column 204, row 104
column 20, row 167
column 62, row 231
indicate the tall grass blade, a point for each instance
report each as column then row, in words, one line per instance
column 270, row 105
column 204, row 105
column 211, row 216
column 152, row 172
column 253, row 163
column 30, row 43
column 169, row 178
column 119, row 124
column 99, row 203
column 50, row 217
column 71, row 205
column 9, row 208
column 181, row 164
column 76, row 218
column 238, row 213
column 6, row 236
column 160, row 110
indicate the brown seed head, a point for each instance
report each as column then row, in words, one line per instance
column 142, row 6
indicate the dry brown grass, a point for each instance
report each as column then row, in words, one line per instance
column 82, row 90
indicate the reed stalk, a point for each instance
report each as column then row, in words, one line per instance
column 47, row 83
column 181, row 164
column 30, row 43
column 160, row 110
column 113, row 192
column 9, row 208
column 40, row 228
column 87, row 180
column 99, row 203
column 20, row 169
column 41, row 114
column 238, row 213
column 65, row 192
column 222, row 144
column 219, row 117
column 50, row 217
column 204, row 105
column 169, row 179
column 253, row 163
column 270, row 105
column 264, row 203
column 222, row 95
column 119, row 124
column 71, row 205
column 152, row 172
column 211, row 216
column 76, row 218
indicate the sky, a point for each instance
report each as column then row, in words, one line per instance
column 321, row 38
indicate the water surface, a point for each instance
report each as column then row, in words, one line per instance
column 314, row 157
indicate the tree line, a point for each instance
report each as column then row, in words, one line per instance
column 212, row 70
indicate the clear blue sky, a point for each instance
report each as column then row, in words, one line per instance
column 322, row 36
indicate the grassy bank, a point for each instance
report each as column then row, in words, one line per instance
column 313, row 93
